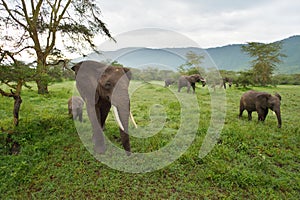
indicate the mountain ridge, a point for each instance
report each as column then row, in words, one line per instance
column 228, row 57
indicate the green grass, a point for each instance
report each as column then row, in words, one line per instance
column 250, row 159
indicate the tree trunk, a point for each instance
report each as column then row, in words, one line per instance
column 17, row 104
column 42, row 86
column 42, row 79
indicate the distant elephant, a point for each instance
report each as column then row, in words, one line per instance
column 222, row 82
column 227, row 80
column 103, row 86
column 188, row 81
column 260, row 102
column 169, row 81
column 75, row 105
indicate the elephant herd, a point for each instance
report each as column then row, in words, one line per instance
column 102, row 87
column 190, row 81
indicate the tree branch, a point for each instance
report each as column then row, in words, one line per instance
column 3, row 93
column 9, row 11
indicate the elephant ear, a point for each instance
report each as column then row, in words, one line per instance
column 76, row 67
column 197, row 78
column 263, row 100
column 191, row 78
column 278, row 96
column 127, row 72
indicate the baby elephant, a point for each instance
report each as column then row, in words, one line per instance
column 75, row 105
column 169, row 81
column 260, row 102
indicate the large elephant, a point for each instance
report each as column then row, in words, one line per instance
column 102, row 86
column 75, row 105
column 260, row 102
column 188, row 81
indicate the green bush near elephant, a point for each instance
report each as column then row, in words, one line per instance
column 251, row 160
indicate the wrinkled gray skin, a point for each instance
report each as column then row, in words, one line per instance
column 260, row 102
column 75, row 105
column 169, row 81
column 188, row 81
column 102, row 86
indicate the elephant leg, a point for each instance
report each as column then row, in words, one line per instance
column 104, row 110
column 80, row 115
column 249, row 115
column 265, row 114
column 261, row 114
column 75, row 114
column 179, row 88
column 98, row 137
column 193, row 86
column 241, row 110
column 188, row 87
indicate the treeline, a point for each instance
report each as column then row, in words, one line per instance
column 286, row 79
column 241, row 78
column 152, row 73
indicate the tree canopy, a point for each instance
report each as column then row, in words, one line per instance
column 14, row 74
column 34, row 27
column 265, row 58
column 192, row 65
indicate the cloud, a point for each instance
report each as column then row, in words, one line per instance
column 210, row 23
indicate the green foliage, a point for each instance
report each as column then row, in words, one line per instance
column 192, row 65
column 287, row 79
column 266, row 57
column 250, row 161
column 152, row 74
column 12, row 73
column 245, row 78
column 40, row 23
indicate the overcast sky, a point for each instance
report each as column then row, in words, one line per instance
column 210, row 23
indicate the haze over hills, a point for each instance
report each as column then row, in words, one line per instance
column 231, row 57
column 228, row 57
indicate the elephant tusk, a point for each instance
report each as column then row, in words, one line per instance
column 132, row 119
column 117, row 117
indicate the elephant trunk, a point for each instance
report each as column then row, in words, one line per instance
column 277, row 112
column 121, row 107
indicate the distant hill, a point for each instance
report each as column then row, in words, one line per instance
column 227, row 57
column 230, row 57
column 291, row 47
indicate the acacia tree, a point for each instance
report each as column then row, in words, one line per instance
column 33, row 27
column 14, row 74
column 266, row 57
column 193, row 64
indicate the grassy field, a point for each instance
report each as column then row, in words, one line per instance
column 249, row 160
